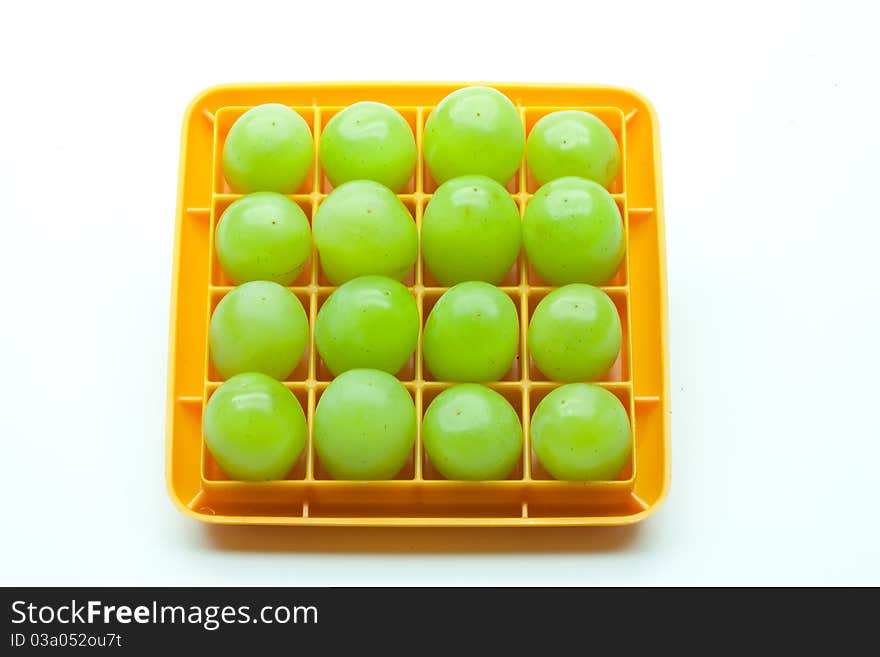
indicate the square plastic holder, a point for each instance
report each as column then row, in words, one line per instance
column 419, row 495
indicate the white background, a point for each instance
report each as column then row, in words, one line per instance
column 770, row 125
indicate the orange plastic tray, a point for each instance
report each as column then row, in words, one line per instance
column 419, row 496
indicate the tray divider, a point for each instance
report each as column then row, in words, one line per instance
column 317, row 171
column 418, row 451
column 310, row 442
column 527, row 438
column 420, row 165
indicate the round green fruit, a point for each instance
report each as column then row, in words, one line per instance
column 258, row 327
column 575, row 334
column 268, row 149
column 572, row 143
column 362, row 228
column 254, row 428
column 365, row 426
column 369, row 322
column 470, row 231
column 581, row 432
column 368, row 141
column 472, row 433
column 471, row 334
column 475, row 130
column 573, row 233
column 263, row 237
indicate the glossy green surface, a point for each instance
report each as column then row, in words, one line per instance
column 365, row 426
column 471, row 334
column 369, row 322
column 254, row 427
column 363, row 228
column 263, row 237
column 368, row 141
column 474, row 130
column 268, row 149
column 581, row 432
column 572, row 143
column 575, row 334
column 472, row 433
column 470, row 231
column 573, row 233
column 258, row 327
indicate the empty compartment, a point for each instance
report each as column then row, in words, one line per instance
column 651, row 451
column 282, row 500
column 647, row 301
column 417, row 509
column 593, row 507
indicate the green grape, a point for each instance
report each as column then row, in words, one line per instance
column 363, row 228
column 575, row 334
column 368, row 141
column 254, row 427
column 581, row 432
column 369, row 322
column 365, row 425
column 258, row 327
column 470, row 231
column 572, row 143
column 472, row 433
column 471, row 334
column 263, row 236
column 268, row 149
column 573, row 233
column 474, row 130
